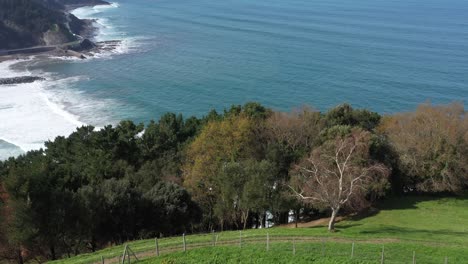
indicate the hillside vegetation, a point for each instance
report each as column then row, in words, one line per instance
column 246, row 167
column 432, row 227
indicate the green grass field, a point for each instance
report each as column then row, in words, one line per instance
column 432, row 228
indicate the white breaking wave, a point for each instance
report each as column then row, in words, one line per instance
column 106, row 30
column 33, row 113
column 28, row 116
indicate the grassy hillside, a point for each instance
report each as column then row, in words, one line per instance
column 434, row 228
column 334, row 253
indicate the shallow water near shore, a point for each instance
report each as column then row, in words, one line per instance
column 191, row 56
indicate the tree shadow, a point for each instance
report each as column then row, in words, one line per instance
column 402, row 203
column 364, row 214
column 396, row 203
column 346, row 226
column 394, row 230
column 411, row 201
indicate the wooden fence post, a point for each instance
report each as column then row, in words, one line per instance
column 213, row 237
column 157, row 246
column 268, row 242
column 129, row 250
column 446, row 260
column 123, row 255
column 102, row 260
column 382, row 260
column 240, row 239
column 352, row 251
column 294, row 246
column 414, row 257
column 185, row 245
column 323, row 247
column 216, row 241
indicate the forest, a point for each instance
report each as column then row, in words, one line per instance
column 245, row 167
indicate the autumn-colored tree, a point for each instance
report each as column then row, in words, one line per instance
column 432, row 144
column 339, row 174
column 297, row 129
column 230, row 139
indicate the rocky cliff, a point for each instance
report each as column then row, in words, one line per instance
column 28, row 23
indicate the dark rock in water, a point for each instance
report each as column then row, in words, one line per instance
column 86, row 44
column 108, row 45
column 21, row 79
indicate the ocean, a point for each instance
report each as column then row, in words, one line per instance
column 189, row 56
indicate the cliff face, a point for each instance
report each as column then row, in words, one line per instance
column 83, row 2
column 28, row 23
column 11, row 38
column 61, row 4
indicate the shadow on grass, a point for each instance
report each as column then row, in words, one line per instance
column 411, row 201
column 403, row 202
column 338, row 227
column 394, row 230
column 346, row 226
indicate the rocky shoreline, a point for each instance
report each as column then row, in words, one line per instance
column 20, row 79
column 82, row 50
column 87, row 49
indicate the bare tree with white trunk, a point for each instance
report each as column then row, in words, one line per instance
column 339, row 174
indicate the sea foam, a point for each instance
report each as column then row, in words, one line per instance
column 29, row 116
column 106, row 31
column 33, row 113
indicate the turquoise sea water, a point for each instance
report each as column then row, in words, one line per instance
column 190, row 56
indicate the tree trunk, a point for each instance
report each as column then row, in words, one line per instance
column 52, row 253
column 296, row 212
column 264, row 220
column 93, row 245
column 245, row 217
column 331, row 224
column 20, row 257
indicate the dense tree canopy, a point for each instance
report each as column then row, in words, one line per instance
column 243, row 168
column 432, row 143
column 96, row 187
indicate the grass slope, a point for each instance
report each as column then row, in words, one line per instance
column 434, row 228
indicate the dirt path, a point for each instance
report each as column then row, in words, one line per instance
column 314, row 223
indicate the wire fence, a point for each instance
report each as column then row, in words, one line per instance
column 369, row 251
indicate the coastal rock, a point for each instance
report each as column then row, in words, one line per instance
column 109, row 45
column 20, row 79
column 86, row 44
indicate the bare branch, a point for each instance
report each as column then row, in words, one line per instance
column 334, row 176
